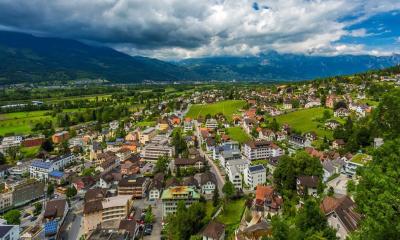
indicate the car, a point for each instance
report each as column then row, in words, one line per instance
column 33, row 218
column 148, row 228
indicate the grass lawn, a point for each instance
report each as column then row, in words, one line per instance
column 238, row 134
column 209, row 209
column 305, row 120
column 146, row 124
column 29, row 152
column 228, row 108
column 232, row 212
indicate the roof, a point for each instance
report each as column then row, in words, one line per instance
column 56, row 174
column 50, row 228
column 4, row 229
column 190, row 181
column 188, row 161
column 309, row 181
column 213, row 230
column 129, row 182
column 344, row 207
column 95, row 194
column 257, row 168
column 263, row 191
column 127, row 225
column 207, row 177
column 55, row 208
column 172, row 182
column 92, row 206
column 178, row 192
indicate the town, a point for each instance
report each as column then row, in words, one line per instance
column 207, row 161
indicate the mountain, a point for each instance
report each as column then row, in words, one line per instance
column 275, row 66
column 26, row 58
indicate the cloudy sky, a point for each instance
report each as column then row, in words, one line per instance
column 174, row 29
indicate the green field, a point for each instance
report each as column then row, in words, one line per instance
column 231, row 216
column 228, row 108
column 146, row 124
column 305, row 120
column 22, row 122
column 238, row 134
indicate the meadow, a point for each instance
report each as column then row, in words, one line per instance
column 227, row 108
column 238, row 134
column 305, row 120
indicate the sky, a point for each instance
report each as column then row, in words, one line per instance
column 172, row 29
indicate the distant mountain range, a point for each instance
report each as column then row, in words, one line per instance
column 26, row 58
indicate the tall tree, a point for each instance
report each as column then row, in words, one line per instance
column 377, row 194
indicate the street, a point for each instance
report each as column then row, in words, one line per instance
column 140, row 204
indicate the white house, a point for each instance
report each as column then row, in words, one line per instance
column 255, row 175
column 8, row 232
column 254, row 150
column 208, row 183
column 40, row 169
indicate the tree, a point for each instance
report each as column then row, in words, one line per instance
column 13, row 217
column 280, row 229
column 38, row 208
column 228, row 189
column 2, row 159
column 47, row 145
column 377, row 194
column 215, row 197
column 71, row 191
column 386, row 117
column 326, row 115
column 274, row 125
column 161, row 164
column 310, row 220
column 50, row 189
column 149, row 217
column 289, row 168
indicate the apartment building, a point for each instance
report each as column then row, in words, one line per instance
column 146, row 135
column 172, row 195
column 255, row 175
column 99, row 210
column 254, row 150
column 135, row 187
column 40, row 169
column 235, row 176
column 8, row 232
column 152, row 151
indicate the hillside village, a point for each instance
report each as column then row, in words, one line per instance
column 231, row 163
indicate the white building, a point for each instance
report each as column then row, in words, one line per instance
column 8, row 232
column 211, row 123
column 255, row 175
column 41, row 169
column 153, row 151
column 235, row 177
column 254, row 150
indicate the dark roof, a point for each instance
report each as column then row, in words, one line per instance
column 188, row 161
column 256, row 168
column 95, row 194
column 4, row 167
column 309, row 181
column 93, row 206
column 190, row 181
column 131, row 182
column 213, row 230
column 55, row 208
column 4, row 230
column 208, row 177
column 344, row 207
column 159, row 177
column 172, row 182
column 127, row 225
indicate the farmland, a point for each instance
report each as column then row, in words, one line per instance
column 306, row 120
column 227, row 108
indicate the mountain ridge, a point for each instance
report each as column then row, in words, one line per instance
column 25, row 58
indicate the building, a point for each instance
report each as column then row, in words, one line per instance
column 338, row 144
column 41, row 169
column 152, row 151
column 172, row 195
column 255, row 175
column 6, row 200
column 287, row 105
column 254, row 150
column 197, row 163
column 60, row 137
column 106, row 212
column 54, row 216
column 307, row 185
column 358, row 160
column 226, row 146
column 8, row 232
column 235, row 177
column 341, row 112
column 267, row 199
column 341, row 215
column 211, row 123
column 208, row 183
column 213, row 231
column 298, row 141
column 27, row 191
column 156, row 187
column 146, row 135
column 134, row 187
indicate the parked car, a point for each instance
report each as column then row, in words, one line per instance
column 148, row 228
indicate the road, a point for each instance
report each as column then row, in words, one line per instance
column 140, row 204
column 214, row 168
